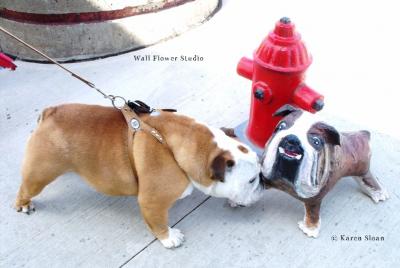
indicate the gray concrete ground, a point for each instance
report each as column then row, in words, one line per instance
column 76, row 226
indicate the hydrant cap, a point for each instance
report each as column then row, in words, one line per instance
column 282, row 50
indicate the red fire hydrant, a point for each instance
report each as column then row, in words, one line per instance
column 277, row 72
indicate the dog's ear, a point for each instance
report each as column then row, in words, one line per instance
column 285, row 110
column 330, row 134
column 230, row 132
column 219, row 165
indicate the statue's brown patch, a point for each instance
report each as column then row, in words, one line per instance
column 243, row 149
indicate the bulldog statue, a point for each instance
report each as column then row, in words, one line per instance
column 306, row 157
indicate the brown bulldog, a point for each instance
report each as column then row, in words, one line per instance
column 306, row 157
column 94, row 142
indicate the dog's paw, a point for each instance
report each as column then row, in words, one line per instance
column 233, row 204
column 174, row 240
column 309, row 231
column 378, row 195
column 27, row 209
column 373, row 188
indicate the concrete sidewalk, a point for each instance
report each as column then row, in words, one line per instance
column 76, row 226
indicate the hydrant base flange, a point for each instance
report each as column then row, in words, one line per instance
column 240, row 132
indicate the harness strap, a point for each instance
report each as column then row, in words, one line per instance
column 136, row 124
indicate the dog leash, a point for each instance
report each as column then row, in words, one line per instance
column 129, row 109
column 112, row 98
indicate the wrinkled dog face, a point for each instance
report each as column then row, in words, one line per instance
column 235, row 171
column 299, row 151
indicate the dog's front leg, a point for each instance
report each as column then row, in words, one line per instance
column 161, row 183
column 311, row 222
column 155, row 215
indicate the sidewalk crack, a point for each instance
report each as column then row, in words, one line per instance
column 145, row 247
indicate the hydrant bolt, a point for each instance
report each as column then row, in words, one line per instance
column 259, row 94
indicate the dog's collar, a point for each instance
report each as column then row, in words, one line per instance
column 136, row 124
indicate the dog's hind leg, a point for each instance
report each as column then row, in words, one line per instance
column 32, row 184
column 41, row 166
column 34, row 179
column 371, row 186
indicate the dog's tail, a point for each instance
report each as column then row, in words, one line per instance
column 47, row 112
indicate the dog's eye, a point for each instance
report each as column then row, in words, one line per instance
column 317, row 142
column 282, row 125
column 252, row 180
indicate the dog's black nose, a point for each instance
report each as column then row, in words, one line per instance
column 292, row 140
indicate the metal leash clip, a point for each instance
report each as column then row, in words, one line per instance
column 117, row 101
